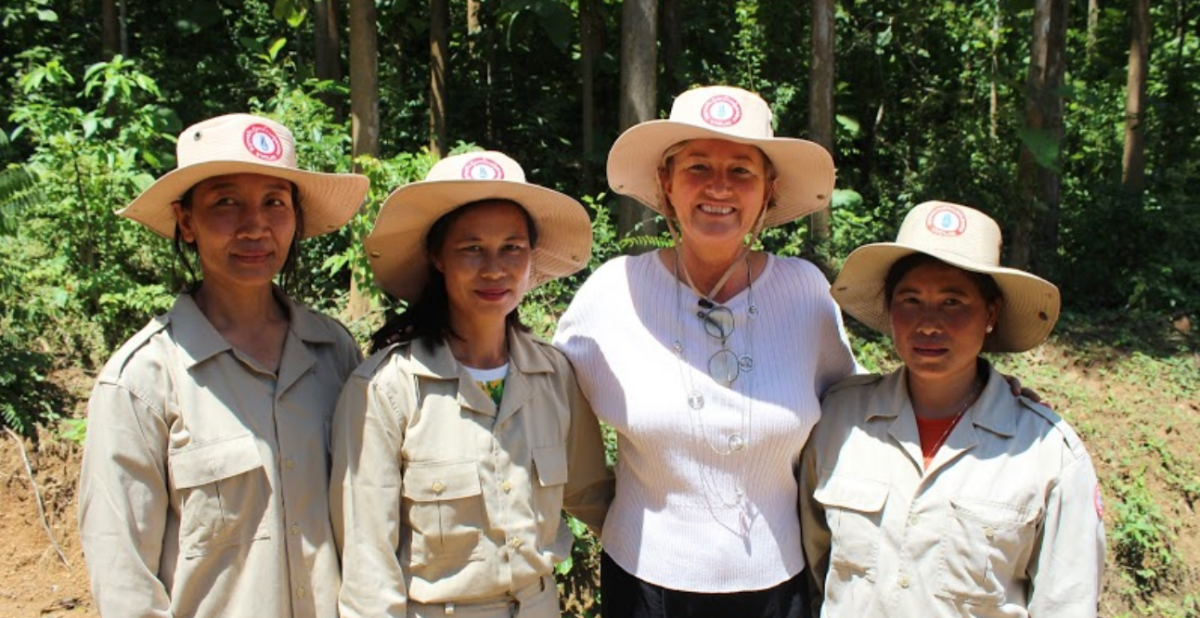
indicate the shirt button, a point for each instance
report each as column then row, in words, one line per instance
column 290, row 464
column 301, row 591
column 438, row 487
column 989, row 532
column 913, row 519
column 515, row 543
column 506, row 486
column 295, row 529
column 904, row 581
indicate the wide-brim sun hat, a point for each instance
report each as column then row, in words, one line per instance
column 960, row 236
column 396, row 246
column 805, row 172
column 247, row 144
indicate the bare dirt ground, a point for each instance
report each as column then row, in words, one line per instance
column 34, row 581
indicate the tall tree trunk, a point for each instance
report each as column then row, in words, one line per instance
column 111, row 36
column 439, row 55
column 123, row 24
column 820, row 100
column 639, row 63
column 589, row 42
column 327, row 44
column 1039, row 186
column 994, row 100
column 1093, row 24
column 364, row 109
column 672, row 46
column 472, row 26
column 1133, row 171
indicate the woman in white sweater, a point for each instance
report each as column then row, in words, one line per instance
column 708, row 359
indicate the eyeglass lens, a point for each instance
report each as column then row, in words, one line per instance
column 718, row 322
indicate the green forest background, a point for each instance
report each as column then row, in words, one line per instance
column 1086, row 149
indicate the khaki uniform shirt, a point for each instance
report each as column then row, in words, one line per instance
column 204, row 483
column 1005, row 522
column 437, row 496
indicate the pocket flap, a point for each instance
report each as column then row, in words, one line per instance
column 429, row 481
column 861, row 495
column 201, row 464
column 551, row 465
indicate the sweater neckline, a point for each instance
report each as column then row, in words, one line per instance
column 737, row 300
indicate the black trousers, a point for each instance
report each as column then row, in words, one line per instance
column 623, row 595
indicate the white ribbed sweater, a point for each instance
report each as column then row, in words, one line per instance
column 677, row 521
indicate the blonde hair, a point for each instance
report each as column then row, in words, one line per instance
column 666, row 165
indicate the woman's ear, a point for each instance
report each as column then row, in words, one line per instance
column 437, row 263
column 184, row 218
column 994, row 314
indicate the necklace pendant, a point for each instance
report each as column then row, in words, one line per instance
column 746, row 363
column 695, row 400
column 752, row 309
column 736, row 443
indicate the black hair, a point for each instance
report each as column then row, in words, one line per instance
column 428, row 319
column 190, row 283
column 985, row 283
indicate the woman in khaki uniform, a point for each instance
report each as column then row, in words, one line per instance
column 932, row 491
column 203, row 491
column 459, row 442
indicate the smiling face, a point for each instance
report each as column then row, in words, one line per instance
column 486, row 258
column 716, row 189
column 940, row 319
column 242, row 226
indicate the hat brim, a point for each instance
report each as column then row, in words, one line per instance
column 805, row 172
column 1030, row 309
column 396, row 245
column 328, row 200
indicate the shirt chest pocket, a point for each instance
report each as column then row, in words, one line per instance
column 443, row 505
column 854, row 514
column 985, row 549
column 224, row 494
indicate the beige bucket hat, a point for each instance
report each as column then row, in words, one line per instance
column 396, row 245
column 963, row 237
column 805, row 169
column 247, row 144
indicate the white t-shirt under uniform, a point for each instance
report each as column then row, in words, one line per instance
column 706, row 490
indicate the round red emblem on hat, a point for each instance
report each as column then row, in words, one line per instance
column 721, row 111
column 482, row 168
column 262, row 142
column 946, row 221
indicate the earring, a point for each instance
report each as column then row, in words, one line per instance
column 989, row 328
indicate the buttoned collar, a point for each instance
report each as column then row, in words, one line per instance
column 199, row 340
column 891, row 399
column 524, row 359
column 439, row 362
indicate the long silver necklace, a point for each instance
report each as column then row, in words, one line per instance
column 740, row 371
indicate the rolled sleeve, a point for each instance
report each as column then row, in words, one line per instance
column 123, row 503
column 364, row 497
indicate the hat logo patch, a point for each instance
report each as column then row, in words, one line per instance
column 721, row 111
column 482, row 168
column 946, row 221
column 262, row 142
